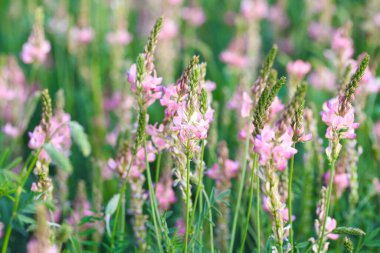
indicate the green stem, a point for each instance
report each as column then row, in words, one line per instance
column 240, row 193
column 332, row 171
column 251, row 188
column 158, row 167
column 210, row 221
column 200, row 182
column 121, row 194
column 187, row 200
column 24, row 178
column 153, row 203
column 290, row 184
column 258, row 202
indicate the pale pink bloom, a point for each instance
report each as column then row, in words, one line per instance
column 341, row 182
column 37, row 138
column 181, row 228
column 344, row 125
column 342, row 44
column 229, row 171
column 285, row 215
column 246, row 105
column 165, row 195
column 119, row 37
column 158, row 136
column 82, row 35
column 276, row 107
column 35, row 247
column 33, row 51
column 234, row 58
column 376, row 184
column 376, row 19
column 298, row 68
column 169, row 100
column 111, row 138
column 231, row 168
column 175, row 2
column 243, row 132
column 194, row 15
column 11, row 130
column 34, row 187
column 151, row 87
column 330, row 226
column 276, row 149
column 323, row 79
column 277, row 15
column 254, row 9
column 266, row 204
column 1, row 229
column 169, row 29
column 210, row 85
column 319, row 31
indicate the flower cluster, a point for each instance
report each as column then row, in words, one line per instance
column 37, row 48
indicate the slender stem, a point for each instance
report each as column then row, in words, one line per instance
column 187, row 200
column 158, row 167
column 240, row 193
column 210, row 221
column 290, row 184
column 153, row 203
column 24, row 178
column 251, row 188
column 332, row 171
column 121, row 195
column 258, row 202
column 200, row 182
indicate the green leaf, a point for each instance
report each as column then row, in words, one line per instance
column 58, row 158
column 112, row 204
column 13, row 164
column 80, row 138
column 25, row 219
column 110, row 210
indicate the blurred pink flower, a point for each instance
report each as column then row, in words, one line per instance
column 194, row 15
column 342, row 44
column 298, row 68
column 35, row 52
column 165, row 195
column 319, row 31
column 234, row 59
column 376, row 184
column 11, row 130
column 169, row 29
column 181, row 229
column 246, row 105
column 119, row 37
column 276, row 107
column 37, row 138
column 1, row 229
column 81, row 36
column 254, row 9
column 35, row 247
column 323, row 79
column 341, row 182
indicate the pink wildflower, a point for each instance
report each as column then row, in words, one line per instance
column 342, row 125
column 165, row 195
column 278, row 149
column 298, row 68
column 342, row 44
column 330, row 226
column 341, row 182
column 169, row 29
column 119, row 37
column 254, row 9
column 194, row 15
column 81, row 36
column 35, row 247
column 33, row 51
column 246, row 105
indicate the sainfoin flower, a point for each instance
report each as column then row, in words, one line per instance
column 298, row 68
column 338, row 124
column 35, row 51
column 151, row 85
column 119, row 37
column 269, row 147
column 81, row 35
column 165, row 195
column 35, row 247
column 194, row 15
